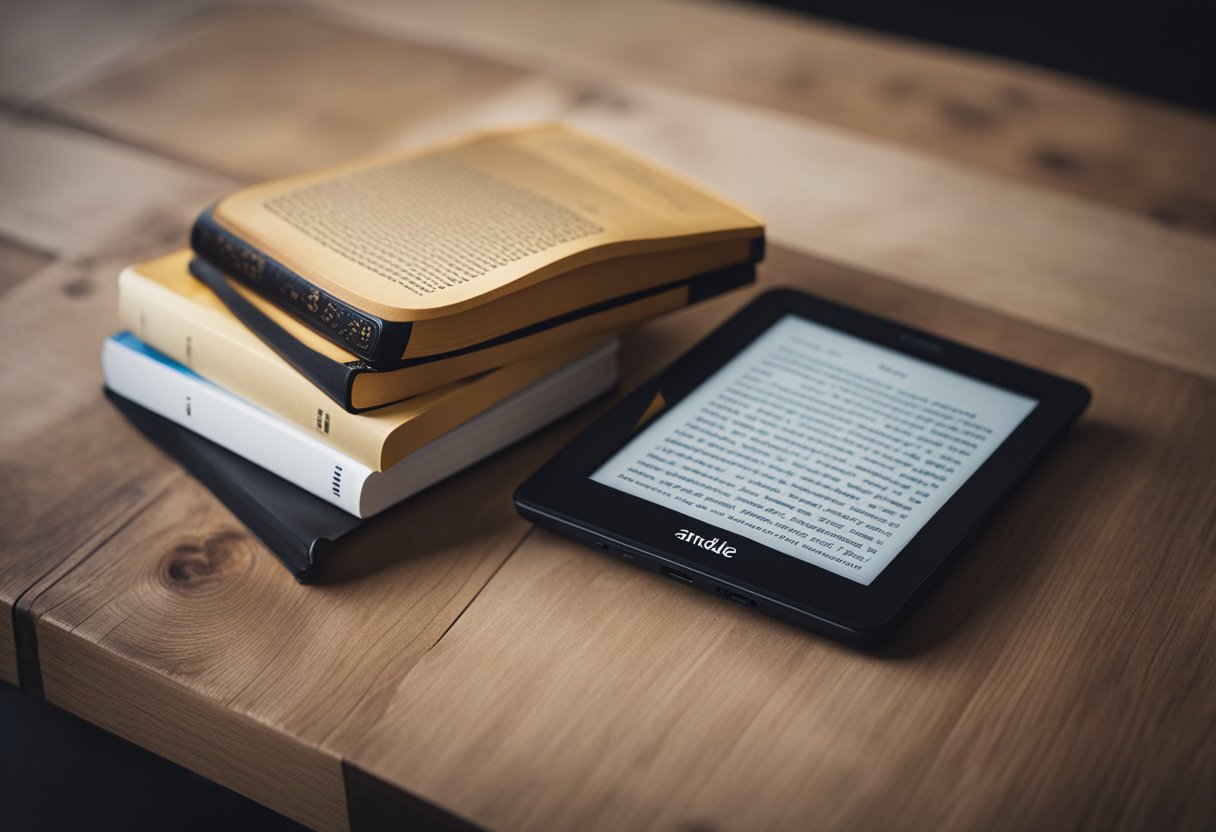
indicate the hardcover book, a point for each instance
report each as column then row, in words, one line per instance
column 186, row 320
column 183, row 320
column 484, row 240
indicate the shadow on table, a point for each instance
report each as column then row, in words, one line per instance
column 472, row 510
column 1008, row 556
column 1006, row 559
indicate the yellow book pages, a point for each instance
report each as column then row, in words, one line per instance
column 191, row 325
column 377, row 387
column 588, row 286
column 433, row 232
column 169, row 310
column 172, row 271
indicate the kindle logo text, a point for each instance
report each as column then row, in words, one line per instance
column 718, row 547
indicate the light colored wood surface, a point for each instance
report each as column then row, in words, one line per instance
column 169, row 596
column 322, row 92
column 570, row 692
column 50, row 46
column 1034, row 125
column 82, row 198
column 191, row 728
column 1060, row 677
column 90, row 207
column 1045, row 255
column 16, row 263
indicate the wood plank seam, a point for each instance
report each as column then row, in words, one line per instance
column 262, row 725
column 935, row 99
column 47, row 116
column 477, row 594
column 25, row 625
column 9, row 240
column 167, row 34
column 921, row 247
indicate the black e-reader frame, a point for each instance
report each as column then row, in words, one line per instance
column 563, row 497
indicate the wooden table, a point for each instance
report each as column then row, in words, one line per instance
column 465, row 667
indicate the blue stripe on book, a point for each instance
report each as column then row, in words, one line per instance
column 129, row 341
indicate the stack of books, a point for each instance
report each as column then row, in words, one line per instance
column 333, row 343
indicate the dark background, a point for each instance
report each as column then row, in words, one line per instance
column 1159, row 50
column 58, row 772
column 1162, row 49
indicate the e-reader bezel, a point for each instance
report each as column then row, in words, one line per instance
column 563, row 497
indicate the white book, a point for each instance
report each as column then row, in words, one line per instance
column 137, row 372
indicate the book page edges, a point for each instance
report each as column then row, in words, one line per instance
column 574, row 290
column 245, row 215
column 524, row 273
column 608, row 323
column 458, row 406
column 522, row 414
column 221, row 350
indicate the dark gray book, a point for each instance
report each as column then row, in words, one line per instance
column 300, row 529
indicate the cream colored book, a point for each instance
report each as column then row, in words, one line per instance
column 185, row 318
column 487, row 238
column 139, row 373
column 175, row 315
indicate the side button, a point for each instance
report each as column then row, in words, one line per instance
column 740, row 599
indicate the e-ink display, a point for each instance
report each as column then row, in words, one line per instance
column 820, row 445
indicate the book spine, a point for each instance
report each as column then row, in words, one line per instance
column 334, row 378
column 199, row 406
column 379, row 342
column 216, row 346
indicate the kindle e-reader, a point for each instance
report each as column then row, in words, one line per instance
column 808, row 460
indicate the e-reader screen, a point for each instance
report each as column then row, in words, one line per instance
column 820, row 445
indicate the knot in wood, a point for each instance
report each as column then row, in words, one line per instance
column 78, row 287
column 192, row 565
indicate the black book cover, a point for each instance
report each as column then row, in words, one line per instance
column 333, row 378
column 336, row 379
column 297, row 527
column 376, row 341
column 379, row 342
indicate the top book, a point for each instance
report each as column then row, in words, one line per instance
column 419, row 255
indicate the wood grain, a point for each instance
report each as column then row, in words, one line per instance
column 252, row 758
column 83, row 197
column 1011, row 119
column 260, row 93
column 181, row 601
column 572, row 688
column 16, row 264
column 1049, row 257
column 67, row 483
column 46, row 47
column 1060, row 679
